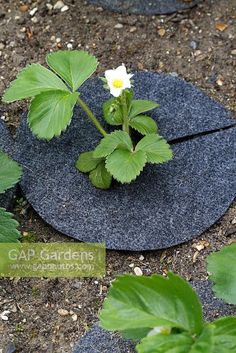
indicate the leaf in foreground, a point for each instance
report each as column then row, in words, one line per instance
column 31, row 81
column 147, row 302
column 117, row 139
column 10, row 172
column 222, row 268
column 74, row 67
column 141, row 106
column 8, row 227
column 51, row 112
column 144, row 124
column 100, row 177
column 86, row 162
column 125, row 165
column 156, row 148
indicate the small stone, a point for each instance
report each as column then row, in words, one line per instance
column 234, row 221
column 138, row 271
column 58, row 5
column 2, row 46
column 161, row 32
column 141, row 258
column 65, row 8
column 118, row 26
column 74, row 317
column 198, row 52
column 131, row 265
column 63, row 312
column 219, row 82
column 133, row 29
column 193, row 45
column 24, row 8
column 33, row 11
column 233, row 52
column 34, row 19
column 49, row 6
column 58, row 40
column 4, row 314
column 69, row 46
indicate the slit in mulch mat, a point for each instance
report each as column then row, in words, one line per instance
column 145, row 7
column 168, row 204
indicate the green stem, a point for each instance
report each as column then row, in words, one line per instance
column 91, row 116
column 125, row 113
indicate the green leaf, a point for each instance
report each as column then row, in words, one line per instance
column 225, row 335
column 31, row 81
column 221, row 266
column 100, row 177
column 125, row 165
column 51, row 112
column 136, row 334
column 141, row 106
column 176, row 343
column 74, row 67
column 142, row 302
column 8, row 228
column 144, row 124
column 156, row 148
column 117, row 139
column 112, row 112
column 86, row 162
column 10, row 172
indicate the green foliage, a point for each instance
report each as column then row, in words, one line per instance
column 100, row 177
column 87, row 162
column 156, row 148
column 148, row 302
column 8, row 228
column 51, row 112
column 144, row 125
column 141, row 106
column 125, row 165
column 112, row 111
column 31, row 81
column 221, row 266
column 117, row 139
column 74, row 67
column 166, row 315
column 10, row 172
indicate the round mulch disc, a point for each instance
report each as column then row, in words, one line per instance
column 145, row 7
column 168, row 204
column 98, row 340
column 6, row 145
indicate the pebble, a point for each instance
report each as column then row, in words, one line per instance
column 118, row 26
column 138, row 271
column 234, row 221
column 34, row 19
column 63, row 312
column 49, row 6
column 233, row 52
column 33, row 11
column 4, row 314
column 58, row 5
column 141, row 258
column 2, row 46
column 65, row 8
column 69, row 46
column 193, row 45
column 74, row 317
column 133, row 29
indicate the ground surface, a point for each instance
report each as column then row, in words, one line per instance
column 199, row 46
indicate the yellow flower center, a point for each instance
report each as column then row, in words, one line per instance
column 117, row 83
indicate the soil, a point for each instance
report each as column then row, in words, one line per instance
column 198, row 45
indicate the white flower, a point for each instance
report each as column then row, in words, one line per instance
column 118, row 80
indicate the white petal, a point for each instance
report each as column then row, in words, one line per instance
column 110, row 75
column 121, row 71
column 116, row 92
